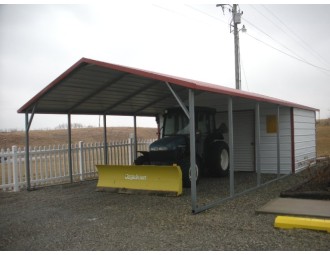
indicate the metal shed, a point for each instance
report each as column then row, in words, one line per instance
column 265, row 134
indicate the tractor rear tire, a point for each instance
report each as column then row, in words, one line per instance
column 186, row 173
column 220, row 160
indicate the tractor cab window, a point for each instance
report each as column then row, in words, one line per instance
column 205, row 123
column 202, row 123
column 176, row 123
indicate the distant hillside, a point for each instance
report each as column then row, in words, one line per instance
column 59, row 137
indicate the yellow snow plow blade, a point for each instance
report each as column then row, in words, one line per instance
column 158, row 179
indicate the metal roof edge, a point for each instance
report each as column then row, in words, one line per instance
column 250, row 95
column 194, row 84
column 144, row 73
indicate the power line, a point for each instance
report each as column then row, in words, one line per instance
column 185, row 15
column 169, row 10
column 301, row 60
column 276, row 25
column 296, row 57
column 284, row 46
column 241, row 63
column 269, row 20
column 292, row 32
column 205, row 13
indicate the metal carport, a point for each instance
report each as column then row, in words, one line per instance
column 93, row 87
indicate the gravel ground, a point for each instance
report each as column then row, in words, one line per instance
column 76, row 217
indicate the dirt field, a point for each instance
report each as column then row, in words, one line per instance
column 59, row 137
column 89, row 135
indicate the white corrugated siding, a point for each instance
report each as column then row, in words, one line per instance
column 268, row 141
column 304, row 137
column 243, row 122
column 244, row 141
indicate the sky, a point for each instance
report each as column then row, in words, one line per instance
column 284, row 53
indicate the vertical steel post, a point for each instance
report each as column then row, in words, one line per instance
column 105, row 139
column 69, row 148
column 27, row 152
column 135, row 140
column 192, row 149
column 231, row 145
column 27, row 145
column 257, row 142
column 278, row 142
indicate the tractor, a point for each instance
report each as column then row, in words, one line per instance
column 212, row 152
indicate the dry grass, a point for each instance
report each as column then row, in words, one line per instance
column 59, row 137
column 92, row 135
column 323, row 139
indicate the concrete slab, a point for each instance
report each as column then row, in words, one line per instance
column 295, row 206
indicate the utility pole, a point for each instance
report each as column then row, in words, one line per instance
column 236, row 19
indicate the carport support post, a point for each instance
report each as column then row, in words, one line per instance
column 27, row 146
column 135, row 140
column 105, row 139
column 69, row 148
column 192, row 149
column 257, row 143
column 27, row 152
column 231, row 146
column 278, row 143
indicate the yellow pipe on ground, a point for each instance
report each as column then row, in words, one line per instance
column 159, row 179
column 288, row 222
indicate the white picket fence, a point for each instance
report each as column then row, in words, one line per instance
column 50, row 165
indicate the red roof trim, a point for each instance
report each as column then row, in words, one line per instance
column 192, row 84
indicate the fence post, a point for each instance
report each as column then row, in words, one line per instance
column 2, row 162
column 81, row 160
column 15, row 172
column 131, row 149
